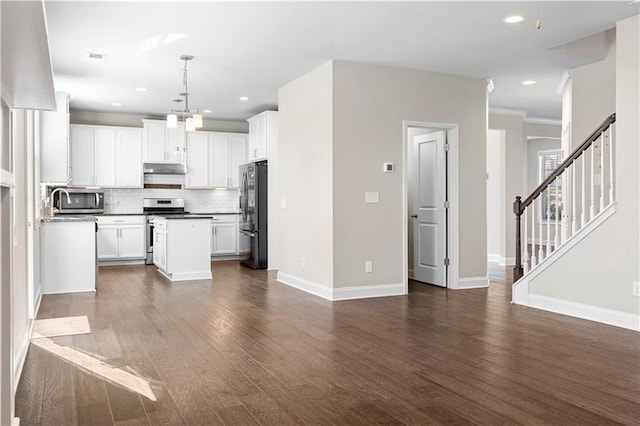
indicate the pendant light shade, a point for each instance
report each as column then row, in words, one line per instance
column 197, row 120
column 189, row 126
column 172, row 121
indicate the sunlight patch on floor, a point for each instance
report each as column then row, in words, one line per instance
column 66, row 326
column 93, row 365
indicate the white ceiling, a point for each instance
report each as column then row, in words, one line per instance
column 252, row 49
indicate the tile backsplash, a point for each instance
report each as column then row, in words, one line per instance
column 195, row 200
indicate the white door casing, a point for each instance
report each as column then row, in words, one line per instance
column 429, row 215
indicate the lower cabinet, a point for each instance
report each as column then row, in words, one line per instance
column 121, row 237
column 224, row 235
column 160, row 245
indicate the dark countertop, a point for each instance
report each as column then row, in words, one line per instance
column 156, row 214
column 184, row 216
column 121, row 214
column 69, row 218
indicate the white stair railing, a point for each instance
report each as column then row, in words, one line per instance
column 588, row 175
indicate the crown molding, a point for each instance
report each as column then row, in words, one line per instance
column 536, row 120
column 507, row 111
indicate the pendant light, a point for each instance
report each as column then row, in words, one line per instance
column 192, row 120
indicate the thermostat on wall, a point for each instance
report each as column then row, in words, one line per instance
column 388, row 167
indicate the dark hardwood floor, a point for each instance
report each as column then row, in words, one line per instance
column 245, row 349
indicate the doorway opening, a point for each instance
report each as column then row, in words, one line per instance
column 430, row 203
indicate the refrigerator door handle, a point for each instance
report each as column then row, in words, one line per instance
column 248, row 233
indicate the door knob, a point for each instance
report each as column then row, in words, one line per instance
column 414, row 215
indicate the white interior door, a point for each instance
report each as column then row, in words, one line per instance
column 429, row 213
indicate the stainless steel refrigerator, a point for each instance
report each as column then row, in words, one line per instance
column 253, row 206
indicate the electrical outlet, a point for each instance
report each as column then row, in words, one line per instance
column 370, row 197
column 368, row 266
column 636, row 288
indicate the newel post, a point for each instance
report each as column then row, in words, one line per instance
column 517, row 270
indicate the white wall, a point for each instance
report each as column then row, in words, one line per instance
column 370, row 104
column 338, row 125
column 19, row 292
column 593, row 88
column 600, row 270
column 495, row 195
column 514, row 174
column 305, row 230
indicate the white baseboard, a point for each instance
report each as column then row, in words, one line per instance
column 472, row 282
column 342, row 293
column 305, row 285
column 120, row 262
column 507, row 261
column 501, row 261
column 15, row 421
column 368, row 291
column 588, row 312
column 21, row 356
column 187, row 276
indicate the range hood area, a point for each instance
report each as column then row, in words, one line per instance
column 164, row 169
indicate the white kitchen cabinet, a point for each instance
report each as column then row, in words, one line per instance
column 213, row 159
column 160, row 245
column 129, row 158
column 224, row 235
column 54, row 142
column 237, row 157
column 198, row 160
column 82, row 156
column 105, row 156
column 121, row 237
column 263, row 130
column 162, row 144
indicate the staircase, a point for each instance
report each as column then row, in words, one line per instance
column 576, row 198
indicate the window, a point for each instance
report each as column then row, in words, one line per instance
column 549, row 161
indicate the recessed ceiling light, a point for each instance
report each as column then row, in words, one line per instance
column 243, row 98
column 529, row 82
column 96, row 57
column 207, row 111
column 116, row 104
column 141, row 89
column 514, row 19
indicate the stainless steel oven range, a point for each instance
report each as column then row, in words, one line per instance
column 159, row 206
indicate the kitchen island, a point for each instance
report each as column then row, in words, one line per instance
column 182, row 245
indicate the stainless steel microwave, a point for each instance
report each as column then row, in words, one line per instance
column 79, row 201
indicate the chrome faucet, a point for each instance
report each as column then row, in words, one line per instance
column 51, row 199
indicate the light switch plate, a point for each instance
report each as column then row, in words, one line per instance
column 370, row 197
column 283, row 204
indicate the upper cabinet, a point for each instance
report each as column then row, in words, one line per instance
column 162, row 144
column 213, row 159
column 54, row 142
column 263, row 129
column 105, row 156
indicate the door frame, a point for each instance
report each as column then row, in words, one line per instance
column 451, row 130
